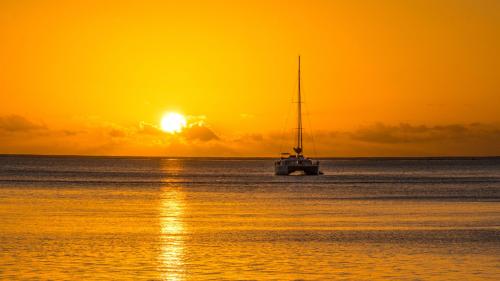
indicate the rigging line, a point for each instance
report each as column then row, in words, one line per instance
column 283, row 128
column 311, row 129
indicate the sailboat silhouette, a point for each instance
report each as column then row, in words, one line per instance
column 289, row 163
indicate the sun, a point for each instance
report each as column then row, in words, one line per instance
column 173, row 122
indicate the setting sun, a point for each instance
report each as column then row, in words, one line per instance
column 173, row 122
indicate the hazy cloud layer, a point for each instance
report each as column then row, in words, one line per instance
column 414, row 140
column 406, row 133
column 16, row 123
column 20, row 135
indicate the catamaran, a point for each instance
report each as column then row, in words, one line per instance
column 289, row 163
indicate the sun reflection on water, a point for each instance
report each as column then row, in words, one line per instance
column 172, row 228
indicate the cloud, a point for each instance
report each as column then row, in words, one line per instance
column 406, row 133
column 20, row 135
column 149, row 129
column 200, row 133
column 16, row 123
column 198, row 120
column 117, row 133
column 412, row 140
column 195, row 131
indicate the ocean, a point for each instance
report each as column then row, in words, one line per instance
column 138, row 218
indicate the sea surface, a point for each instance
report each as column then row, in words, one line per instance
column 105, row 218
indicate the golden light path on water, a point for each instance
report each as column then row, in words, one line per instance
column 172, row 210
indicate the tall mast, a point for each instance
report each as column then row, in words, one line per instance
column 298, row 149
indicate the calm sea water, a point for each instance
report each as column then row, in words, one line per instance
column 98, row 218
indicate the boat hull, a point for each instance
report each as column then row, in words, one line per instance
column 284, row 170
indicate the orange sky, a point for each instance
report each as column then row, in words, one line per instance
column 380, row 78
